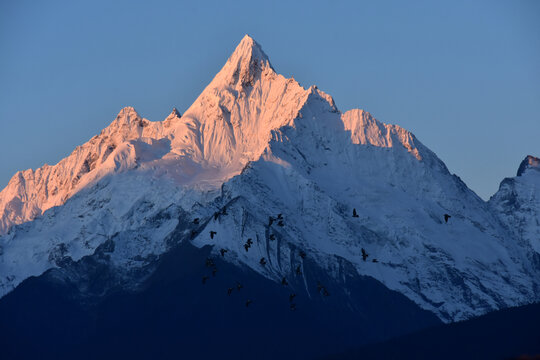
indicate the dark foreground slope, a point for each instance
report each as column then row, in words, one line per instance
column 506, row 334
column 175, row 316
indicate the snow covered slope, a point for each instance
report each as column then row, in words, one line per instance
column 254, row 145
column 517, row 202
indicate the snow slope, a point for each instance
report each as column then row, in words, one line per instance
column 517, row 203
column 253, row 145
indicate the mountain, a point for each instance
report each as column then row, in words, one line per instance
column 485, row 337
column 517, row 203
column 259, row 157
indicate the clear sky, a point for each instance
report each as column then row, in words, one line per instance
column 463, row 76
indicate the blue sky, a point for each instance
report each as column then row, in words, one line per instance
column 463, row 76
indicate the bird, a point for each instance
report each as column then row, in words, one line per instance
column 446, row 217
column 280, row 223
column 216, row 215
column 204, row 279
column 364, row 254
column 193, row 233
column 270, row 221
column 375, row 260
column 223, row 251
column 248, row 302
column 291, row 297
column 224, row 211
column 239, row 286
column 249, row 242
column 302, row 254
column 212, row 233
column 262, row 261
column 284, row 281
column 246, row 246
column 196, row 221
column 293, row 307
column 272, row 237
column 229, row 291
column 280, row 216
column 298, row 270
column 354, row 214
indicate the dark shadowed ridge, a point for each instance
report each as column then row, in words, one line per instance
column 506, row 334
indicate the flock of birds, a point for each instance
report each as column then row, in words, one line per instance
column 279, row 220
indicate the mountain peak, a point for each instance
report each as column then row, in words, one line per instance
column 528, row 163
column 245, row 64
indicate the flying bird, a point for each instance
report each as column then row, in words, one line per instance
column 212, row 233
column 223, row 251
column 196, row 221
column 375, row 260
column 364, row 254
column 246, row 246
column 302, row 254
column 262, row 261
column 354, row 214
column 446, row 217
column 272, row 237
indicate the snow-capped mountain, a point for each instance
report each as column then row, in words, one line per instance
column 254, row 145
column 517, row 202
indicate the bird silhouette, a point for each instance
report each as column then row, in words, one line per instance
column 249, row 242
column 224, row 212
column 270, row 221
column 262, row 261
column 246, row 246
column 375, row 260
column 212, row 233
column 354, row 214
column 280, row 216
column 284, row 281
column 223, row 251
column 298, row 270
column 291, row 297
column 204, row 279
column 272, row 237
column 196, row 221
column 280, row 223
column 229, row 291
column 216, row 215
column 364, row 254
column 302, row 254
column 248, row 302
column 446, row 217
